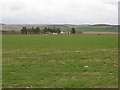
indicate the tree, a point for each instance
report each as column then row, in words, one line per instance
column 58, row 30
column 33, row 30
column 28, row 30
column 24, row 30
column 37, row 30
column 73, row 31
column 45, row 30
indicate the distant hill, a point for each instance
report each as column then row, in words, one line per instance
column 2, row 24
column 101, row 25
column 65, row 27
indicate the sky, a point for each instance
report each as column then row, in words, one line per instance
column 59, row 11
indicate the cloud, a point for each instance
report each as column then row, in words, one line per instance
column 13, row 5
column 60, row 11
column 112, row 3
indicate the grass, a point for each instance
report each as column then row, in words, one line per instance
column 60, row 61
column 92, row 28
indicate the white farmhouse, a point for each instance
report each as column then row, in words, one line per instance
column 62, row 32
column 55, row 33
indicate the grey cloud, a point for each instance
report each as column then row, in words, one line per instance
column 112, row 3
column 15, row 5
column 60, row 11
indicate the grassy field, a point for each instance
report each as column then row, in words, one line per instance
column 92, row 28
column 60, row 61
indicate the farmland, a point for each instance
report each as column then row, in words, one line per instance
column 60, row 61
column 63, row 27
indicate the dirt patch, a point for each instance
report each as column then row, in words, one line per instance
column 101, row 33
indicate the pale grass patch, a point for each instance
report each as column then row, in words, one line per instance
column 91, row 73
column 86, row 66
column 52, row 60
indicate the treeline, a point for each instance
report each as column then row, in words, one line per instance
column 37, row 30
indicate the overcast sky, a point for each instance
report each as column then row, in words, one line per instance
column 59, row 11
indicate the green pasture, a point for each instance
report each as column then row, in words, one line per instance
column 91, row 28
column 60, row 61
